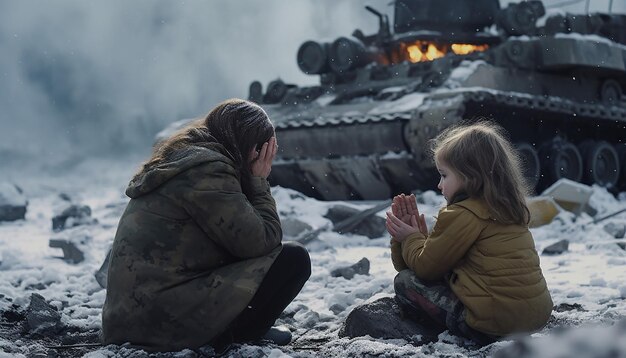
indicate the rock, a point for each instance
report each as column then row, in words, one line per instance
column 371, row 226
column 103, row 272
column 292, row 228
column 382, row 319
column 12, row 202
column 307, row 318
column 563, row 307
column 360, row 268
column 71, row 253
column 337, row 308
column 41, row 317
column 557, row 248
column 71, row 216
column 616, row 230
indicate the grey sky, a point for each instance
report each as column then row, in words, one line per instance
column 80, row 76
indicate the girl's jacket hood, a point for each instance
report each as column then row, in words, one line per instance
column 148, row 179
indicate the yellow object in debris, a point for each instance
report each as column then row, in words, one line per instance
column 543, row 209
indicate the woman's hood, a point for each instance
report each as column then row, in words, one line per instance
column 148, row 179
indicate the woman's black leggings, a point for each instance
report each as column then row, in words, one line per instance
column 281, row 285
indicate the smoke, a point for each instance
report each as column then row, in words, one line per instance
column 580, row 6
column 80, row 78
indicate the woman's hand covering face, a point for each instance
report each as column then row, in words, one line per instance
column 261, row 161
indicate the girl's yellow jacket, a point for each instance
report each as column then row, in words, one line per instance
column 492, row 268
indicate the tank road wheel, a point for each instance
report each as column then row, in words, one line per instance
column 602, row 164
column 561, row 159
column 530, row 162
column 611, row 92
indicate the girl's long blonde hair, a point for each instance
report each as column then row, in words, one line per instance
column 489, row 166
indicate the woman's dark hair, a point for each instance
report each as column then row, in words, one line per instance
column 240, row 126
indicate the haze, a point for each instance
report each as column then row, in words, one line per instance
column 81, row 78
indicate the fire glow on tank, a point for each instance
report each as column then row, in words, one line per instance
column 427, row 51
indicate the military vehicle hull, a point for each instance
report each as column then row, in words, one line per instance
column 363, row 133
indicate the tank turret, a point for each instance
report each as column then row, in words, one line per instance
column 554, row 82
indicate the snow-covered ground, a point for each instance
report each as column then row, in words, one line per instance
column 587, row 282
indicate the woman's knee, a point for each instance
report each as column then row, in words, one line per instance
column 298, row 255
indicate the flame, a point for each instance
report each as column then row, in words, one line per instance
column 464, row 49
column 427, row 51
column 424, row 51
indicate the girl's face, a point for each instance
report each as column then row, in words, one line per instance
column 450, row 182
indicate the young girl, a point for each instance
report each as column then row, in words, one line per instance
column 477, row 273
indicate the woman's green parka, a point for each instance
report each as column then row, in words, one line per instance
column 189, row 253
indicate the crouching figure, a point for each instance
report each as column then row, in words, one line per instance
column 477, row 272
column 197, row 258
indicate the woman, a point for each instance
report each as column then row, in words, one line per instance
column 197, row 258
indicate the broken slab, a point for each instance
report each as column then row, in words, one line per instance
column 617, row 230
column 360, row 268
column 557, row 248
column 361, row 222
column 41, row 317
column 73, row 215
column 13, row 203
column 571, row 196
column 292, row 228
column 71, row 253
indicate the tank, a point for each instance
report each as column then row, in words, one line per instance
column 555, row 83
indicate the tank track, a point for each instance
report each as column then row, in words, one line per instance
column 397, row 158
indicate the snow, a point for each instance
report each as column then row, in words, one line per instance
column 403, row 104
column 462, row 72
column 591, row 38
column 590, row 274
column 10, row 195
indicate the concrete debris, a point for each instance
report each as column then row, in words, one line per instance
column 71, row 216
column 360, row 268
column 42, row 318
column 13, row 203
column 557, row 248
column 71, row 253
column 382, row 318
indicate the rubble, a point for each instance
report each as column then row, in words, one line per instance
column 557, row 248
column 13, row 204
column 571, row 196
column 71, row 253
column 292, row 228
column 42, row 318
column 617, row 230
column 350, row 220
column 360, row 268
column 543, row 209
column 382, row 318
column 73, row 215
